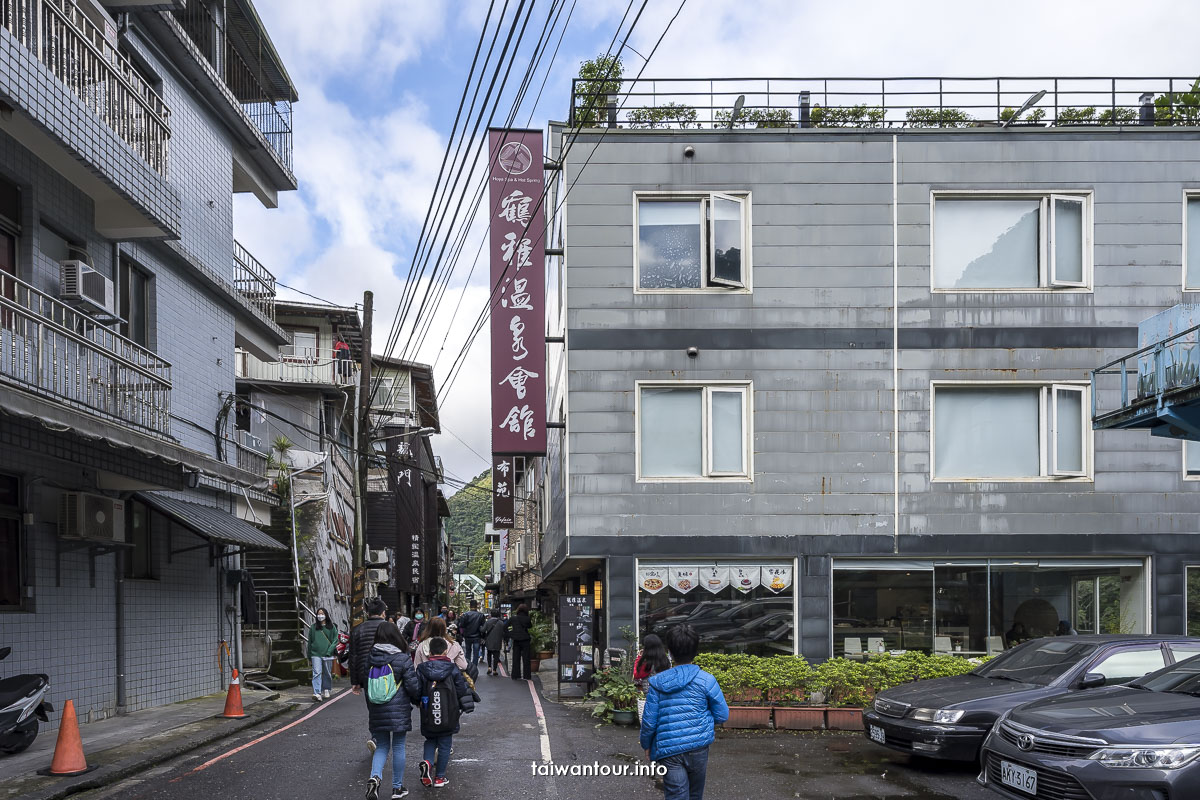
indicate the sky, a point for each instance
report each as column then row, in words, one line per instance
column 379, row 83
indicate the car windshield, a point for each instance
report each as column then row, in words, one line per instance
column 1182, row 678
column 1039, row 662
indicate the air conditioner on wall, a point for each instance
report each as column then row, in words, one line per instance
column 377, row 556
column 91, row 516
column 377, row 575
column 83, row 287
column 246, row 440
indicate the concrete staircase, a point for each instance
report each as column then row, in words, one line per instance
column 272, row 571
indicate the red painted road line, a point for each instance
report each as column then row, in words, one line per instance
column 263, row 738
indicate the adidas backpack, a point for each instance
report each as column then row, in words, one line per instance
column 439, row 708
column 381, row 684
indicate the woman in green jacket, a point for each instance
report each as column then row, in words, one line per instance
column 322, row 647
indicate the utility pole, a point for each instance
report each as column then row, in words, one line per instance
column 363, row 449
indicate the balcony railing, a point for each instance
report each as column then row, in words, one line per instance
column 695, row 103
column 51, row 349
column 268, row 109
column 250, row 459
column 302, row 365
column 75, row 50
column 254, row 281
column 1147, row 378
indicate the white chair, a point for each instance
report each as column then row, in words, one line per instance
column 941, row 645
column 875, row 645
column 995, row 644
column 852, row 645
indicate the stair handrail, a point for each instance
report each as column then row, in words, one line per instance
column 303, row 622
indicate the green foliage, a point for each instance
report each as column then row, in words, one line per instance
column 1037, row 115
column 541, row 632
column 615, row 691
column 471, row 509
column 755, row 118
column 668, row 115
column 1118, row 116
column 1088, row 116
column 599, row 77
column 938, row 118
column 1178, row 108
column 283, row 482
column 862, row 116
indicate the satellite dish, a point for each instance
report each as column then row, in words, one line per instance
column 737, row 110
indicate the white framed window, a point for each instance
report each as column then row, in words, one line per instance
column 1011, row 241
column 691, row 242
column 1191, row 460
column 1010, row 431
column 694, row 431
column 1191, row 242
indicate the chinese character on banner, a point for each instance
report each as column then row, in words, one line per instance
column 517, row 233
column 503, row 504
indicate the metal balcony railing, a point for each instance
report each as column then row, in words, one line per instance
column 79, row 55
column 250, row 459
column 694, row 103
column 1146, row 378
column 267, row 109
column 253, row 281
column 299, row 365
column 52, row 349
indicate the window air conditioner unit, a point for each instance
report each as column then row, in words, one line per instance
column 91, row 516
column 246, row 440
column 377, row 575
column 83, row 287
column 377, row 556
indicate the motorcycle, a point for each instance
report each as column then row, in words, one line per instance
column 21, row 706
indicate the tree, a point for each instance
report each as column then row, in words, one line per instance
column 470, row 511
column 598, row 78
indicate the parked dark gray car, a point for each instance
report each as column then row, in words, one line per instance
column 1136, row 741
column 949, row 717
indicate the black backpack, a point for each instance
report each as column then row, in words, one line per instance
column 439, row 707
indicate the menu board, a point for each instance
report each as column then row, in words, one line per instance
column 576, row 638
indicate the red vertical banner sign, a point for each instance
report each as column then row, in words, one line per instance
column 503, row 506
column 518, row 285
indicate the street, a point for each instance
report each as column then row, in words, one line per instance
column 319, row 751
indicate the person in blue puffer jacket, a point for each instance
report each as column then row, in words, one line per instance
column 390, row 721
column 682, row 706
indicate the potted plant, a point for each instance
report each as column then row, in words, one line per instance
column 786, row 680
column 541, row 636
column 742, row 682
column 616, row 697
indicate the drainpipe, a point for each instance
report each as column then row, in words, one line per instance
column 295, row 545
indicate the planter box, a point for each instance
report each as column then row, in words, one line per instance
column 738, row 697
column 799, row 719
column 844, row 719
column 749, row 717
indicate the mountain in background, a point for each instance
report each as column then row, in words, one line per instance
column 470, row 510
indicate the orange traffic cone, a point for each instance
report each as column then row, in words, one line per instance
column 68, row 751
column 233, row 700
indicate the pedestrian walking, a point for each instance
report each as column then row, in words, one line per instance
column 650, row 661
column 412, row 631
column 362, row 639
column 322, row 648
column 436, row 629
column 517, row 631
column 445, row 696
column 493, row 640
column 452, row 624
column 682, row 707
column 393, row 688
column 470, row 629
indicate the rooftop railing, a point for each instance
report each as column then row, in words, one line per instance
column 51, row 349
column 694, row 103
column 268, row 110
column 95, row 71
column 1145, row 378
column 299, row 365
column 254, row 281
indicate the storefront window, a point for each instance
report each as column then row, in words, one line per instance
column 736, row 608
column 983, row 607
column 1193, row 600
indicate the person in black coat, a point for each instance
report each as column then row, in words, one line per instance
column 517, row 630
column 391, row 720
column 470, row 631
column 362, row 639
column 439, row 745
column 493, row 640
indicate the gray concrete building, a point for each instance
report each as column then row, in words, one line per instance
column 826, row 378
column 125, row 130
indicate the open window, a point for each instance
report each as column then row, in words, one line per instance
column 690, row 431
column 1067, row 241
column 1067, row 454
column 692, row 242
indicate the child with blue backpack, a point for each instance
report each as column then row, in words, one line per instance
column 444, row 698
column 393, row 688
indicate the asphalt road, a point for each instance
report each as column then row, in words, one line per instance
column 323, row 755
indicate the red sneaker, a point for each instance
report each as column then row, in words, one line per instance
column 439, row 783
column 426, row 771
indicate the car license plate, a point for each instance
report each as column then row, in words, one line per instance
column 876, row 733
column 1018, row 777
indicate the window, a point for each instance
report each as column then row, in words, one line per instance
column 1182, row 651
column 694, row 431
column 11, row 554
column 303, row 346
column 1191, row 243
column 1124, row 666
column 1004, row 432
column 135, row 303
column 54, row 246
column 1191, row 459
column 139, row 561
column 1032, row 242
column 692, row 242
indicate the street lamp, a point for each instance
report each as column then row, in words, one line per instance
column 418, row 432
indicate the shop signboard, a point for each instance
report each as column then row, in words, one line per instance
column 503, row 510
column 576, row 638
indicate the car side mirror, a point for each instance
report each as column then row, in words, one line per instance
column 1093, row 680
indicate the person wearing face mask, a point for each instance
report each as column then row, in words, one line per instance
column 322, row 647
column 412, row 631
